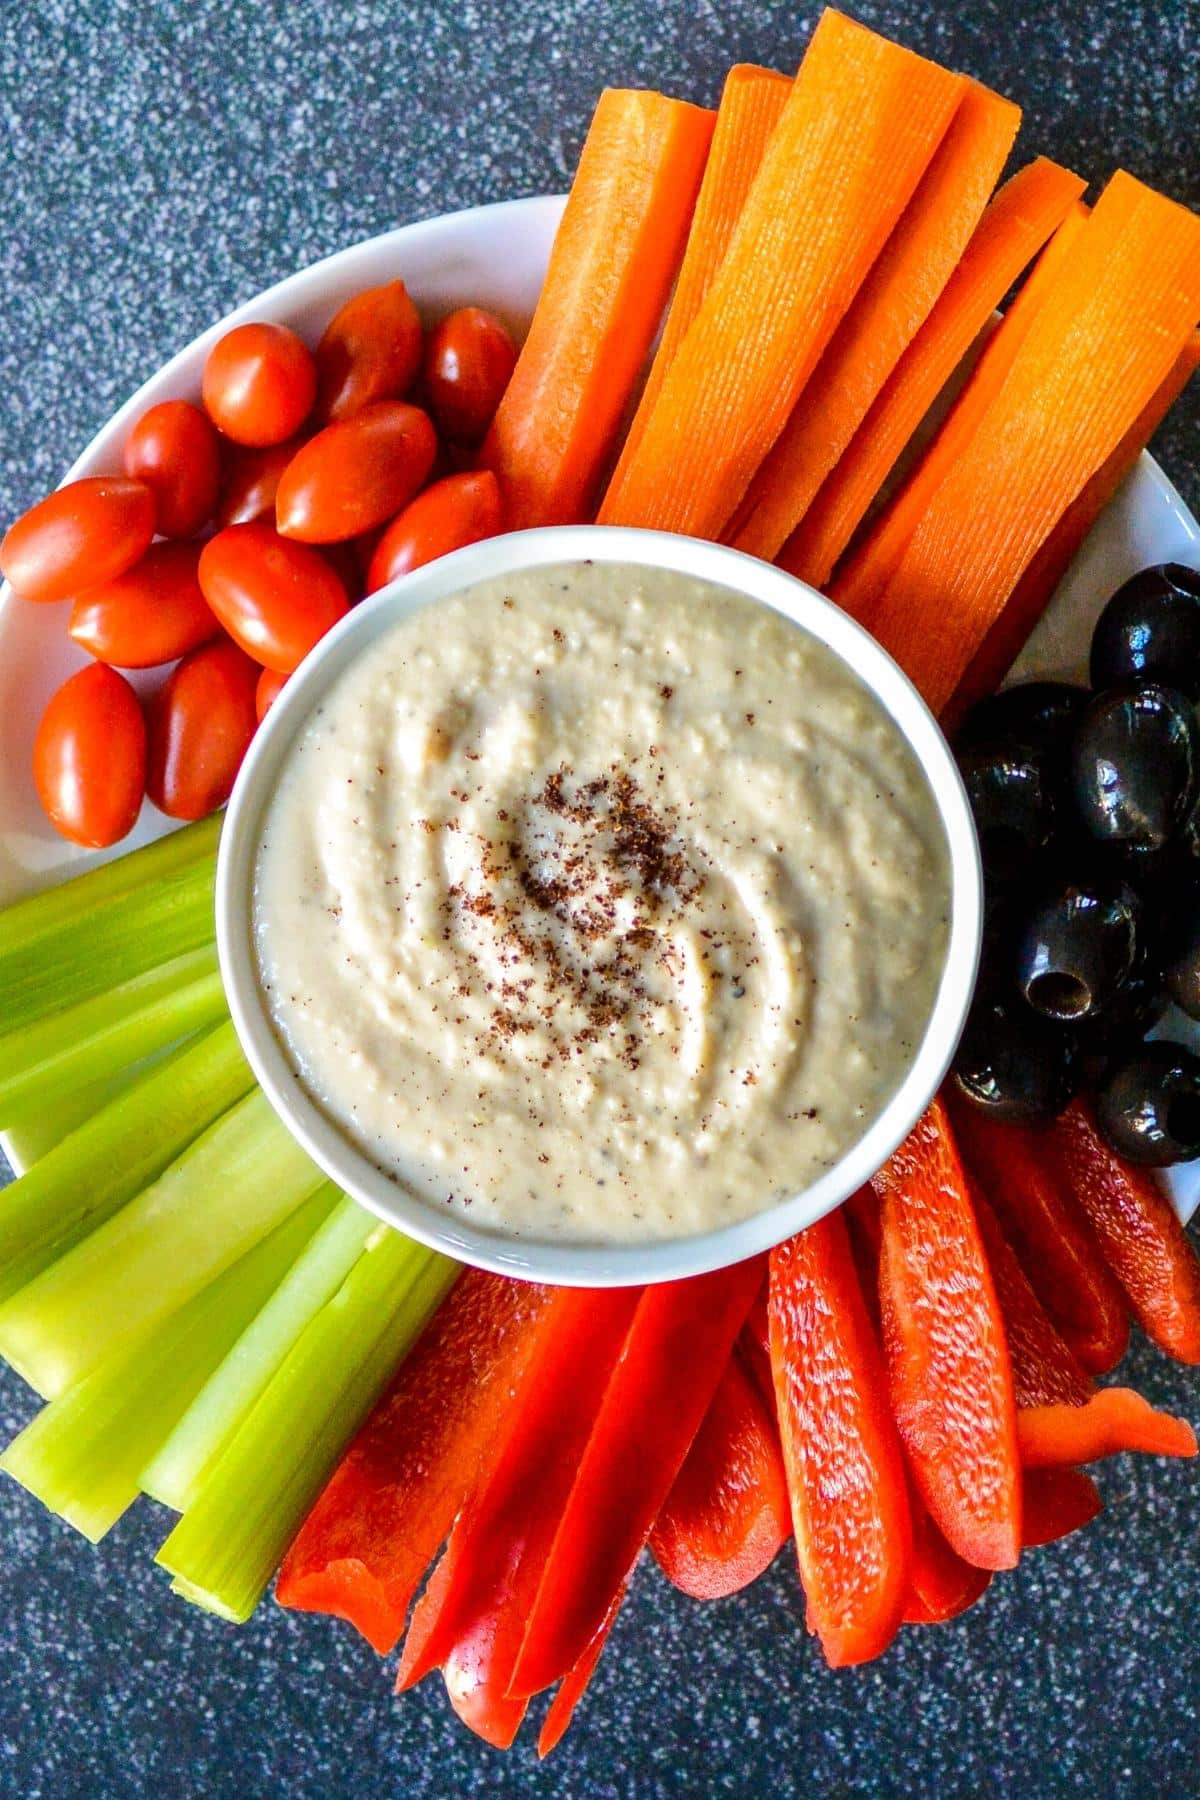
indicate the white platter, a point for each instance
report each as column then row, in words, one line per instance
column 495, row 256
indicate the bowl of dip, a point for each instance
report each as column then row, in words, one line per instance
column 599, row 906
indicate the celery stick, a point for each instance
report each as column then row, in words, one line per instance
column 60, row 911
column 83, row 1454
column 71, row 1048
column 181, row 1467
column 231, row 1187
column 94, row 950
column 94, row 1171
column 228, row 1544
column 33, row 1133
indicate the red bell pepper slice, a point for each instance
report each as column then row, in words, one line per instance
column 1058, row 1502
column 573, row 1685
column 726, row 1517
column 845, row 1466
column 1115, row 1419
column 473, row 1614
column 941, row 1585
column 1142, row 1240
column 365, row 1546
column 947, row 1359
column 672, row 1360
column 1054, row 1242
column 1043, row 1367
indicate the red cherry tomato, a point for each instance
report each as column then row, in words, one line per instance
column 468, row 360
column 459, row 510
column 259, row 384
column 152, row 614
column 201, row 722
column 270, row 685
column 174, row 450
column 251, row 482
column 370, row 350
column 356, row 474
column 89, row 758
column 83, row 533
column 274, row 598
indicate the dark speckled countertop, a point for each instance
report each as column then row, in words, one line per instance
column 163, row 160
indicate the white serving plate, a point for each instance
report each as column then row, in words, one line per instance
column 495, row 256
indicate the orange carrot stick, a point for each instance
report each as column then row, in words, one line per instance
column 751, row 102
column 1013, row 229
column 1035, row 590
column 614, row 258
column 1100, row 345
column 861, row 123
column 894, row 301
column 867, row 570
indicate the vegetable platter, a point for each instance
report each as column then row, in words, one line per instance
column 913, row 1390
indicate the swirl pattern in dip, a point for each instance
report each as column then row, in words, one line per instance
column 601, row 902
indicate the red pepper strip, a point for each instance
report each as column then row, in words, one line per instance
column 845, row 1467
column 1042, row 1366
column 472, row 1617
column 726, row 1517
column 573, row 1685
column 1053, row 1240
column 1058, row 1502
column 1114, row 1419
column 941, row 1585
column 1142, row 1240
column 948, row 1366
column 754, row 1347
column 367, row 1542
column 673, row 1358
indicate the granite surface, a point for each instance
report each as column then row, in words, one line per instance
column 162, row 161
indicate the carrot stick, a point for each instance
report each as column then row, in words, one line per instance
column 894, row 301
column 751, row 103
column 1015, row 226
column 861, row 123
column 867, row 570
column 615, row 255
column 1100, row 345
column 1035, row 590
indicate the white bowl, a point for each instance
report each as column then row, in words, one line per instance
column 550, row 1259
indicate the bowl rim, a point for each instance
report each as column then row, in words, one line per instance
column 569, row 1262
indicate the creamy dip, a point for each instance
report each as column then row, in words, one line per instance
column 601, row 903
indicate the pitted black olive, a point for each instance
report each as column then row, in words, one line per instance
column 1150, row 631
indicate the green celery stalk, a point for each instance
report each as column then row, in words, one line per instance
column 83, row 1454
column 84, row 937
column 233, row 1185
column 69, row 1049
column 228, row 1544
column 179, row 1471
column 83, row 1181
column 59, row 911
column 32, row 1134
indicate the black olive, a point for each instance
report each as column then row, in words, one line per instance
column 1127, row 1018
column 1012, row 1064
column 1038, row 714
column 1135, row 765
column 1181, row 946
column 1150, row 631
column 1149, row 1107
column 1079, row 947
column 1012, row 802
